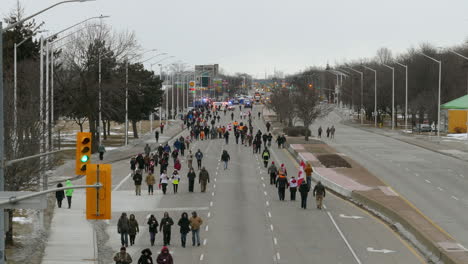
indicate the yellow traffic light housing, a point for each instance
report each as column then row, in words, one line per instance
column 98, row 201
column 83, row 152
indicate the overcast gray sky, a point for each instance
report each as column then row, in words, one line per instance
column 255, row 36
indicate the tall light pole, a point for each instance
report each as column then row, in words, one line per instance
column 393, row 94
column 440, row 84
column 2, row 128
column 465, row 58
column 362, row 88
column 406, row 92
column 375, row 93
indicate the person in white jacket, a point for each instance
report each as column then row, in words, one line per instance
column 164, row 180
column 293, row 188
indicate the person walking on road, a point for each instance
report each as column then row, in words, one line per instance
column 164, row 257
column 138, row 178
column 191, row 179
column 122, row 257
column 69, row 193
column 273, row 171
column 184, row 224
column 150, row 181
column 133, row 164
column 189, row 159
column 101, row 150
column 133, row 229
column 153, row 228
column 304, row 191
column 232, row 116
column 166, row 225
column 319, row 193
column 332, row 132
column 308, row 172
column 175, row 180
column 145, row 257
column 162, row 128
column 293, row 188
column 122, row 229
column 268, row 125
column 281, row 184
column 156, row 135
column 226, row 137
column 225, row 158
column 59, row 195
column 147, row 149
column 328, row 132
column 203, row 179
column 163, row 181
column 199, row 157
column 319, row 132
column 195, row 223
column 266, row 156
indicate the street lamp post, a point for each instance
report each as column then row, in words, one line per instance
column 440, row 84
column 362, row 88
column 406, row 93
column 393, row 94
column 375, row 94
column 465, row 58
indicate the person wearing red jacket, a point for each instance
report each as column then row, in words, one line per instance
column 164, row 257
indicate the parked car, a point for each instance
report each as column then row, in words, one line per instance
column 422, row 128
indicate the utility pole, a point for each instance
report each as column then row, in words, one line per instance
column 2, row 150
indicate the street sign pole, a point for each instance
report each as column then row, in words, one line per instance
column 2, row 154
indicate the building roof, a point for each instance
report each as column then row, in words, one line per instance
column 459, row 103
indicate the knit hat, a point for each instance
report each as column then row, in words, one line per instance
column 272, row 162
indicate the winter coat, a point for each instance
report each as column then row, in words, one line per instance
column 150, row 179
column 191, row 175
column 319, row 189
column 101, row 149
column 225, row 156
column 184, row 224
column 177, row 165
column 190, row 157
column 133, row 227
column 133, row 164
column 120, row 258
column 293, row 183
column 147, row 149
column 123, row 225
column 69, row 192
column 304, row 188
column 308, row 170
column 272, row 169
column 166, row 224
column 204, row 176
column 199, row 155
column 282, row 182
column 59, row 195
column 137, row 178
column 164, row 257
column 153, row 225
column 195, row 222
column 144, row 259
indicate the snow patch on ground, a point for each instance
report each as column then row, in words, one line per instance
column 22, row 220
column 461, row 136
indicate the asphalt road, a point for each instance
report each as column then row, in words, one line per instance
column 435, row 183
column 244, row 221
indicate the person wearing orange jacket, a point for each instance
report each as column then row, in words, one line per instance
column 308, row 171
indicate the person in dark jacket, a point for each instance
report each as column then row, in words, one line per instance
column 184, row 224
column 281, row 184
column 164, row 257
column 199, row 157
column 156, row 135
column 268, row 125
column 137, row 178
column 319, row 193
column 153, row 228
column 133, row 229
column 122, row 229
column 203, row 179
column 133, row 164
column 140, row 161
column 122, row 257
column 145, row 257
column 225, row 158
column 273, row 171
column 191, row 179
column 59, row 195
column 304, row 191
column 166, row 225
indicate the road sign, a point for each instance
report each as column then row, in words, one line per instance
column 192, row 83
column 98, row 201
column 33, row 203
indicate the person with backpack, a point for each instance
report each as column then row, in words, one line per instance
column 304, row 191
column 225, row 158
column 153, row 228
column 137, row 179
column 133, row 229
column 184, row 224
column 266, row 157
column 273, row 171
column 319, row 193
column 165, row 226
column 199, row 157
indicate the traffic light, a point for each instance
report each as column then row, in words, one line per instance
column 311, row 86
column 83, row 152
column 98, row 201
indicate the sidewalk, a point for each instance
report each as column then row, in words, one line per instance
column 72, row 238
column 357, row 184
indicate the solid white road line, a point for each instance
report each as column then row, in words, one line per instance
column 344, row 239
column 122, row 182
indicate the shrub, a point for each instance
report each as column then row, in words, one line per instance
column 296, row 131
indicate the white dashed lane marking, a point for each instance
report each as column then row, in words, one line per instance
column 428, row 181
